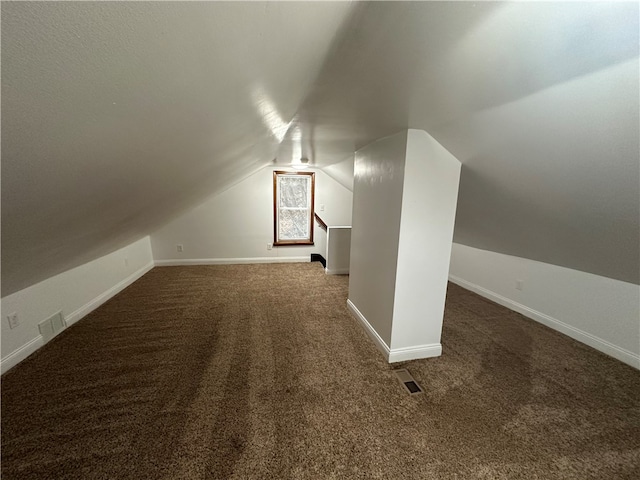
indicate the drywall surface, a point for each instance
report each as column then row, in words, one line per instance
column 538, row 100
column 320, row 239
column 338, row 250
column 75, row 293
column 342, row 172
column 554, row 176
column 377, row 204
column 599, row 311
column 429, row 198
column 237, row 224
column 117, row 116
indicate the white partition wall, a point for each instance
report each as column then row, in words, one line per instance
column 404, row 204
column 375, row 227
column 429, row 198
column 338, row 250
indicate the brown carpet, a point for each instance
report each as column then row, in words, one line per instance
column 259, row 372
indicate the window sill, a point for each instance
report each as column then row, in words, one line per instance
column 292, row 244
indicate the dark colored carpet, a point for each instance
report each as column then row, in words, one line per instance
column 259, row 372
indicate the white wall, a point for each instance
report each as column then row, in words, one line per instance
column 237, row 224
column 75, row 293
column 342, row 172
column 377, row 203
column 429, row 198
column 338, row 250
column 405, row 195
column 554, row 176
column 320, row 239
column 598, row 311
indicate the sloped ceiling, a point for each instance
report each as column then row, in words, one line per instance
column 117, row 116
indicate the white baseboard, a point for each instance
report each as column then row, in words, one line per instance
column 174, row 262
column 415, row 353
column 397, row 354
column 610, row 349
column 380, row 343
column 90, row 306
column 337, row 271
column 34, row 344
column 21, row 353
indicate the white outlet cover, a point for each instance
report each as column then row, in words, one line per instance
column 13, row 320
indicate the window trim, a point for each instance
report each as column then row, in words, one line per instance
column 305, row 241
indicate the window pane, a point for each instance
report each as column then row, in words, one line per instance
column 293, row 208
column 294, row 224
column 294, row 191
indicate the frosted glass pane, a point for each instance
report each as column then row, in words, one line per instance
column 294, row 200
column 294, row 224
column 294, row 192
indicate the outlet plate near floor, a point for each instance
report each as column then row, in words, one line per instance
column 13, row 320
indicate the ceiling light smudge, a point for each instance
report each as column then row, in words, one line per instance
column 269, row 113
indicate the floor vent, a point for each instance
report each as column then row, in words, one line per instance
column 407, row 381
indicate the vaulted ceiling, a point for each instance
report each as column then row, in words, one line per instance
column 117, row 116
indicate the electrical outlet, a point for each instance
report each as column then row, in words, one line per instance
column 322, row 207
column 519, row 284
column 13, row 320
column 269, row 246
column 180, row 247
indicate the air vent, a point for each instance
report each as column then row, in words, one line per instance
column 52, row 326
column 407, row 381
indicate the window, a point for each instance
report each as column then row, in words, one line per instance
column 293, row 194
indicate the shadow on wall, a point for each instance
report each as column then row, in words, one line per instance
column 529, row 219
column 560, row 41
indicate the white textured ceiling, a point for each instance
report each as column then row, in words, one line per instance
column 116, row 116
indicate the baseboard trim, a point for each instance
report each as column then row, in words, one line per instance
column 19, row 354
column 599, row 344
column 377, row 339
column 415, row 353
column 175, row 262
column 90, row 306
column 337, row 271
column 397, row 354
